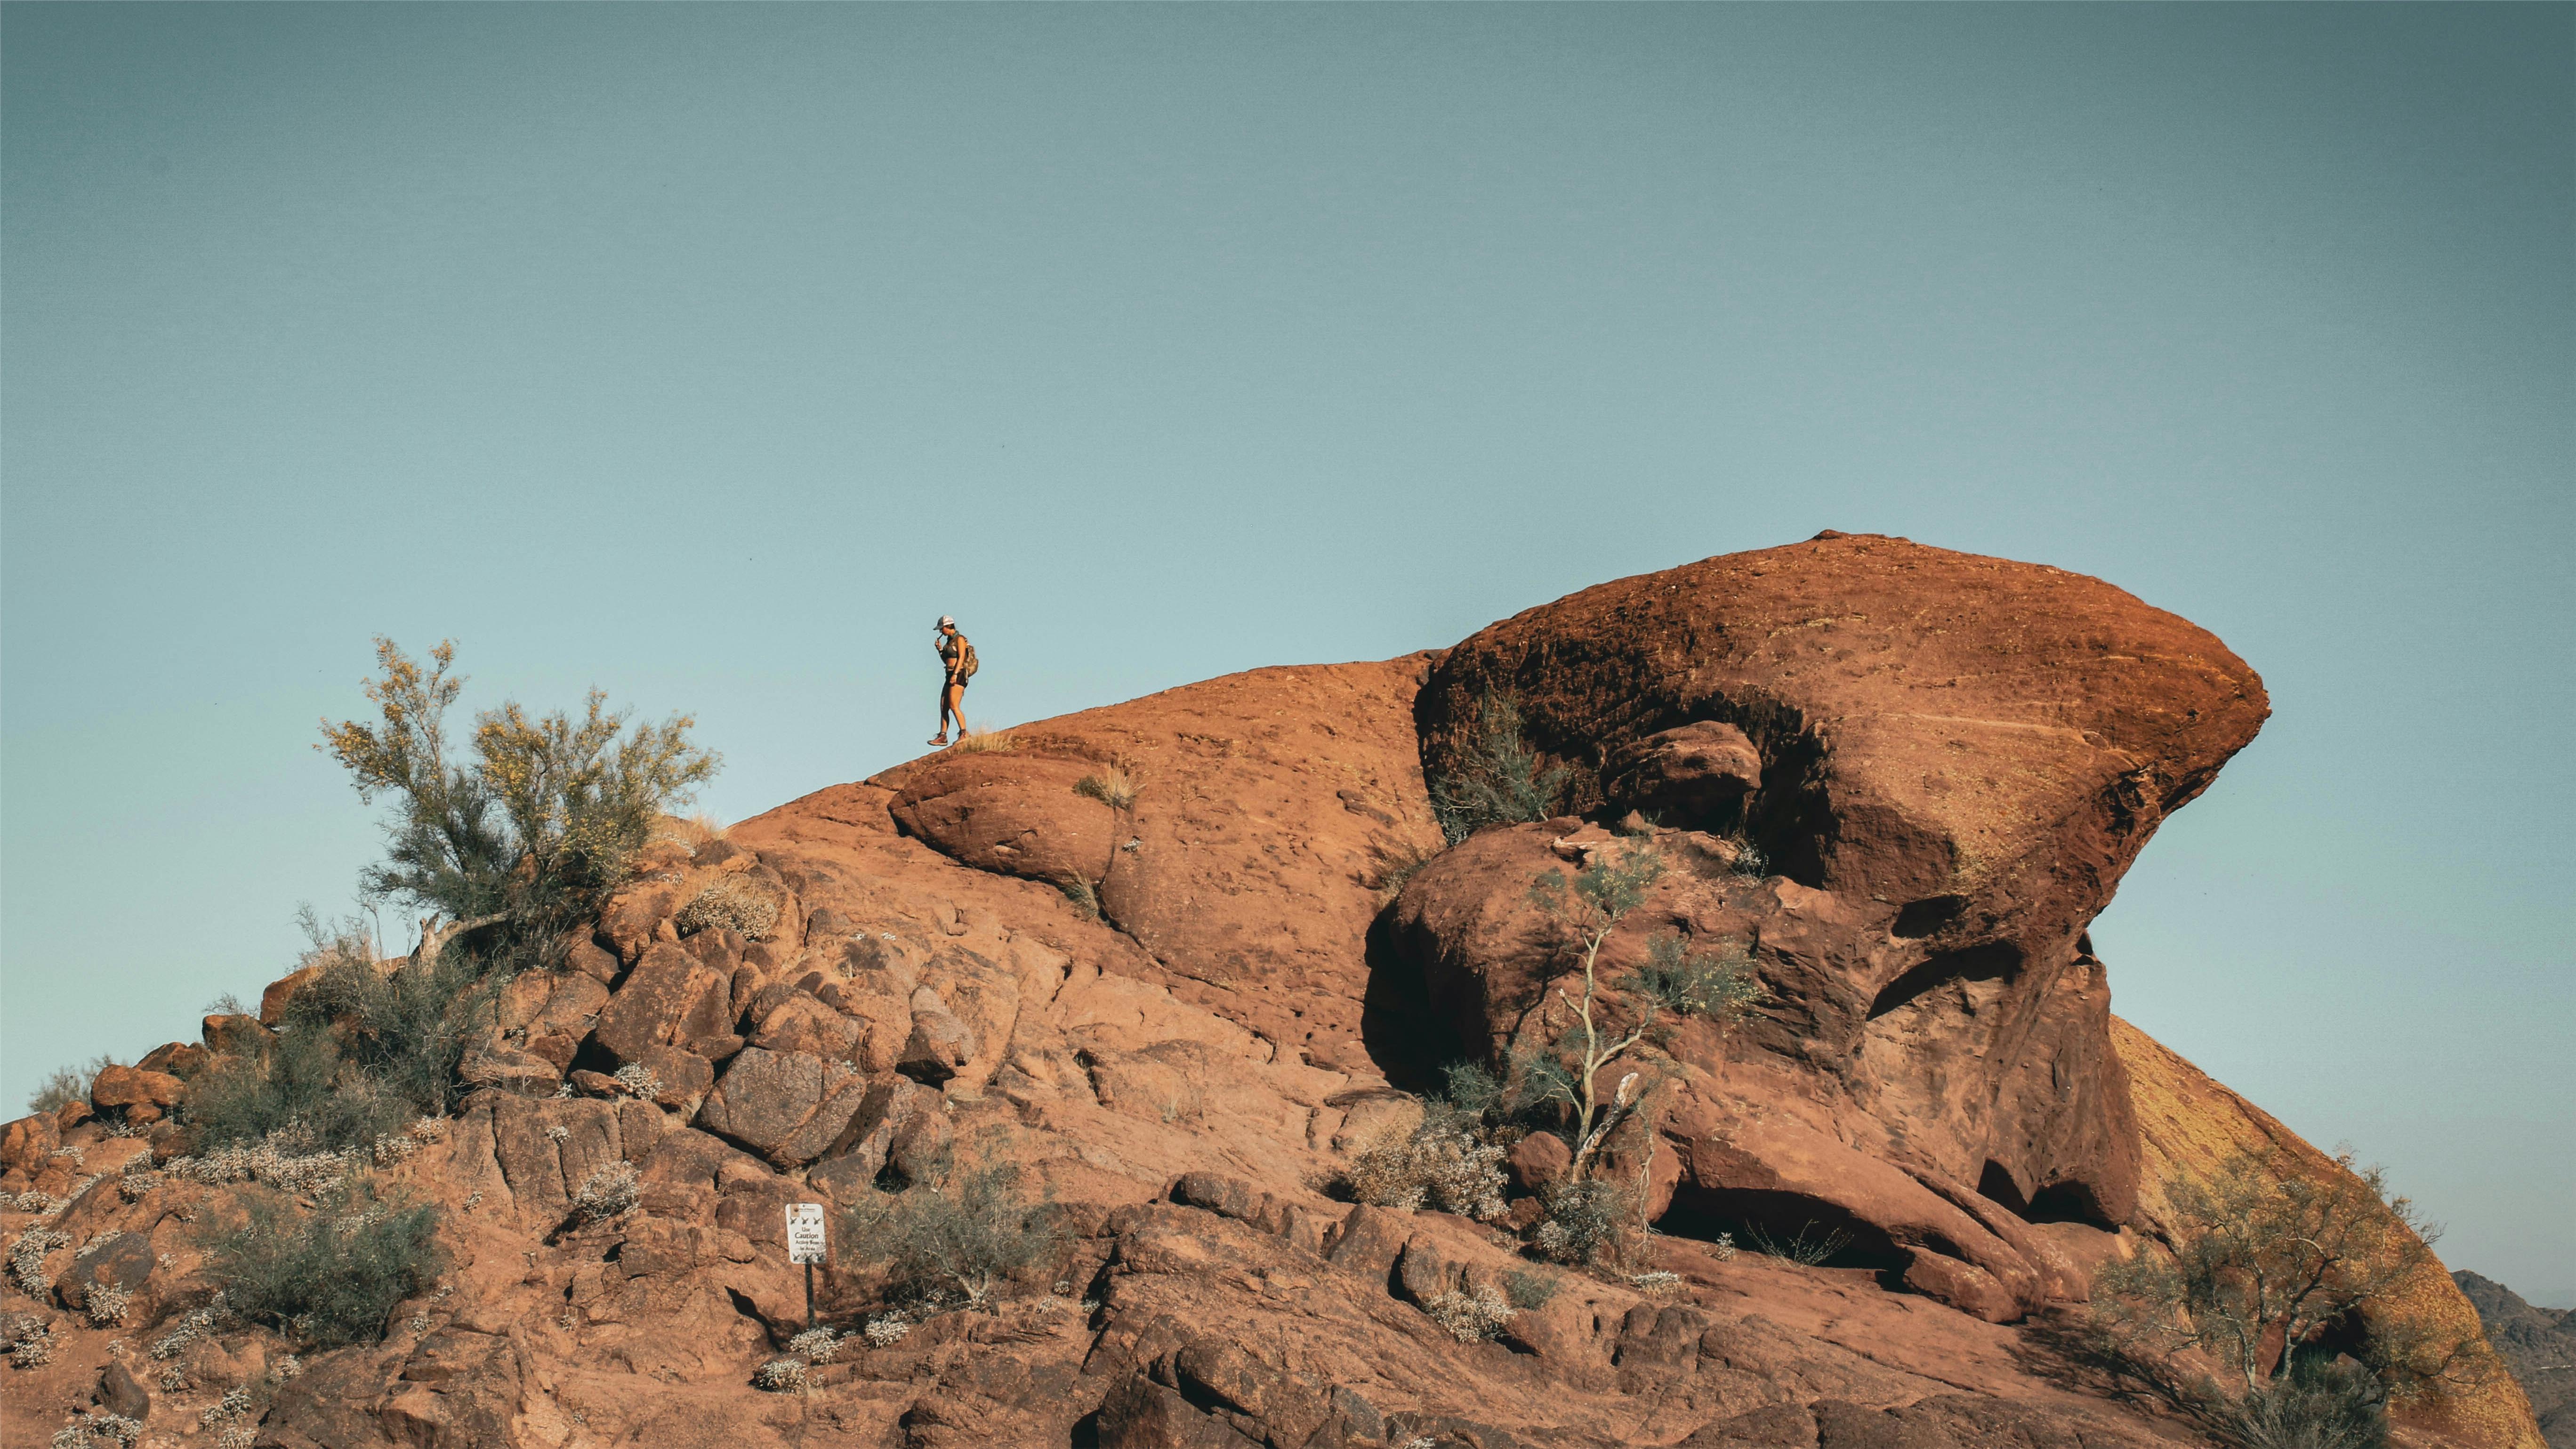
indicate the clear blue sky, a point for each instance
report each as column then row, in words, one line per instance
column 707, row 353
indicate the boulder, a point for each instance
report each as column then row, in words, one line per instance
column 178, row 1059
column 28, row 1143
column 1270, row 807
column 668, row 996
column 1691, row 769
column 124, row 1261
column 939, row 1045
column 118, row 1088
column 492, row 1061
column 789, row 1107
column 1948, row 761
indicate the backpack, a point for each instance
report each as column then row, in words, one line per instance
column 966, row 661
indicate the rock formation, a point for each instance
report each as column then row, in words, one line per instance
column 1155, row 956
column 2538, row 1345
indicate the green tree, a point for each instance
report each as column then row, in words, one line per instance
column 531, row 832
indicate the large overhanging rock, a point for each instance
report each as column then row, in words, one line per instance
column 1957, row 759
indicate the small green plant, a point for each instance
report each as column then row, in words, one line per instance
column 1528, row 1290
column 1397, row 862
column 1494, row 777
column 958, row 1241
column 1717, row 985
column 67, row 1085
column 1808, row 1246
column 327, row 1276
column 1112, row 786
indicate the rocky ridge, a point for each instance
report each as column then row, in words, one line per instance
column 1905, row 780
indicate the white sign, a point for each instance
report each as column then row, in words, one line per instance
column 805, row 1232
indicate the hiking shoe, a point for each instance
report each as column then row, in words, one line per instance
column 937, row 740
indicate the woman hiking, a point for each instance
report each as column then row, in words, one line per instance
column 957, row 658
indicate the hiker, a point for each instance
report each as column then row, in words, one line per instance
column 958, row 658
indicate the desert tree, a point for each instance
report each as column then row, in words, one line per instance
column 1605, row 1022
column 531, row 830
column 2271, row 1260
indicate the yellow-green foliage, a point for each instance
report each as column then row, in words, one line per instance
column 538, row 825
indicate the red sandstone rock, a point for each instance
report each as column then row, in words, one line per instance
column 117, row 1088
column 1173, row 1081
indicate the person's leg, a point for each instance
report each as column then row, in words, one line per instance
column 946, row 698
column 956, row 708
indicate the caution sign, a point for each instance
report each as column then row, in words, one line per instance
column 805, row 1232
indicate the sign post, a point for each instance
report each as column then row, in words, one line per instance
column 805, row 1244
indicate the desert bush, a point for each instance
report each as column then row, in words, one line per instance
column 816, row 1345
column 1440, row 1164
column 107, row 1304
column 1528, row 1290
column 328, row 1275
column 1495, row 778
column 1584, row 1219
column 2269, row 1257
column 1471, row 1315
column 959, row 1240
column 638, row 1080
column 1717, row 985
column 536, row 830
column 67, row 1085
column 780, row 1376
column 606, row 1193
column 2319, row 1403
column 1749, row 859
column 1111, row 786
column 733, row 903
column 27, row 1260
column 360, row 1053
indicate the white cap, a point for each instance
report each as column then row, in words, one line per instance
column 947, row 623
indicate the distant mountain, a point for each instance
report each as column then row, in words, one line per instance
column 2538, row 1344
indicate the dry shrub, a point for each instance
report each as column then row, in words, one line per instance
column 1471, row 1316
column 733, row 903
column 1111, row 785
column 982, row 741
column 1441, row 1164
column 780, row 1376
column 605, row 1194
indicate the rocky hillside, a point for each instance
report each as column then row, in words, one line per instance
column 2538, row 1344
column 1184, row 962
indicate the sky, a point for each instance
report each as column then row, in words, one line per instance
column 706, row 354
